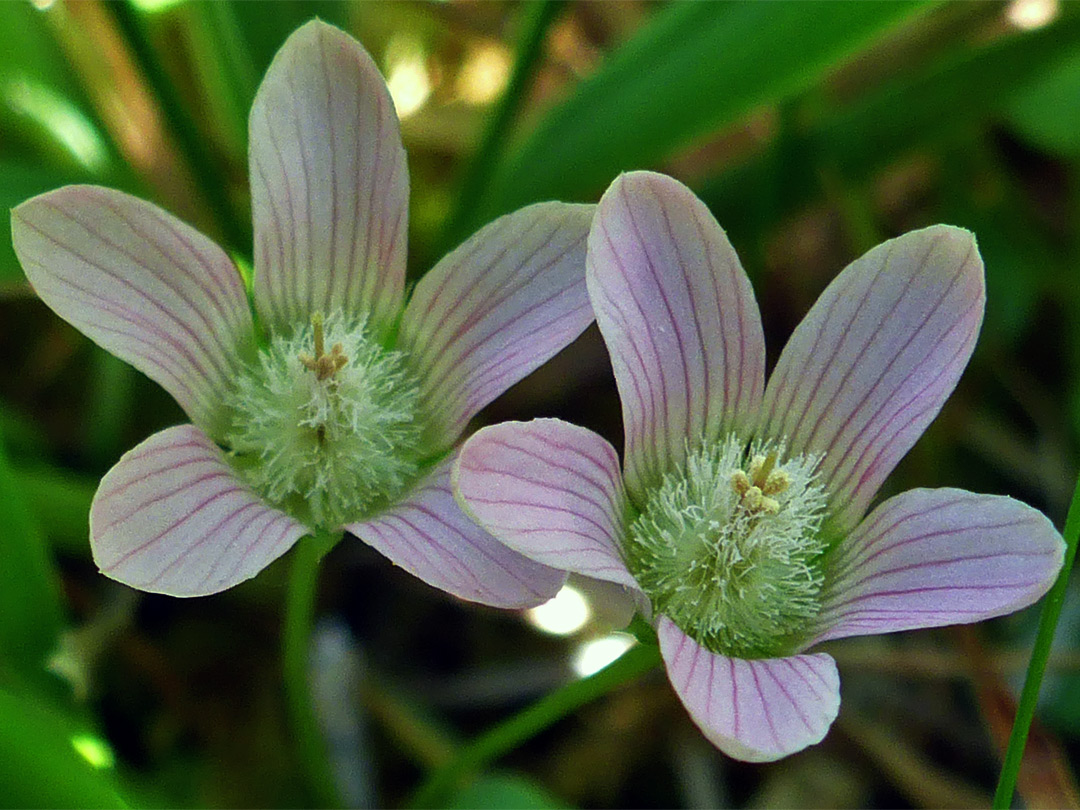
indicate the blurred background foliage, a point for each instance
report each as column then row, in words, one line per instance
column 812, row 131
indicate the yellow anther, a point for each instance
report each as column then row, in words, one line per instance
column 324, row 365
column 777, row 482
column 769, row 505
column 740, row 482
column 752, row 499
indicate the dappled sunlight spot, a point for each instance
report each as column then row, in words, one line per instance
column 595, row 654
column 151, row 6
column 484, row 74
column 62, row 119
column 1028, row 15
column 407, row 75
column 562, row 615
column 94, row 750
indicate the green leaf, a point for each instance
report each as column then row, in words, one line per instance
column 30, row 610
column 45, row 113
column 696, row 67
column 226, row 66
column 60, row 502
column 1046, row 112
column 507, row 791
column 45, row 759
column 914, row 111
column 23, row 435
column 30, row 50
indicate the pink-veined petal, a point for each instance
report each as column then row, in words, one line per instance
column 495, row 309
column 931, row 557
column 550, row 490
column 874, row 360
column 142, row 285
column 329, row 186
column 679, row 318
column 429, row 536
column 173, row 517
column 756, row 711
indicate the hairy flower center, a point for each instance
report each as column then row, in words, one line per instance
column 730, row 548
column 327, row 435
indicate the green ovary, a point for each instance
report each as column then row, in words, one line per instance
column 730, row 548
column 325, row 424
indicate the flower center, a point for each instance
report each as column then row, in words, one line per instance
column 327, row 436
column 730, row 548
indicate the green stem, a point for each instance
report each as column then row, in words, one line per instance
column 539, row 17
column 508, row 735
column 415, row 732
column 299, row 616
column 190, row 141
column 1040, row 654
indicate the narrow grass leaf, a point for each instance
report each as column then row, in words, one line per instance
column 694, row 68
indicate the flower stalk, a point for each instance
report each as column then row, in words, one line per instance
column 299, row 618
column 1040, row 655
column 511, row 733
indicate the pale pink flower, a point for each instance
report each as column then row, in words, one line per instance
column 738, row 519
column 341, row 406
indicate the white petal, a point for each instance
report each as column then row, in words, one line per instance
column 931, row 557
column 678, row 315
column 759, row 710
column 875, row 359
column 495, row 309
column 551, row 491
column 173, row 517
column 329, row 185
column 429, row 536
column 142, row 285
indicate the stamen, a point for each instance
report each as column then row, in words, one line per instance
column 763, row 480
column 777, row 482
column 740, row 482
column 730, row 548
column 332, row 436
column 761, row 467
column 324, row 365
column 317, row 328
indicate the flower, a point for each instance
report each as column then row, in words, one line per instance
column 336, row 404
column 737, row 520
